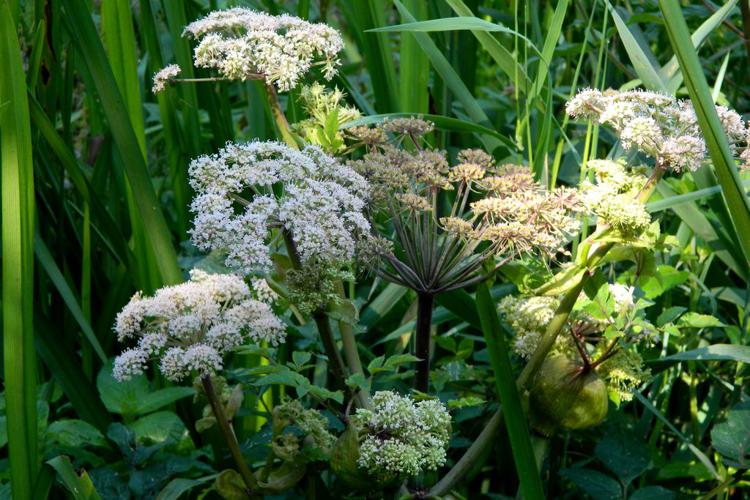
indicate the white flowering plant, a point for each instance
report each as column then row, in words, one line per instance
column 285, row 250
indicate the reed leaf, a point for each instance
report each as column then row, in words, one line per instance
column 515, row 417
column 82, row 31
column 17, row 193
column 733, row 194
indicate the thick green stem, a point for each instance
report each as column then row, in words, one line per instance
column 280, row 118
column 467, row 461
column 228, row 432
column 422, row 336
column 594, row 253
column 336, row 363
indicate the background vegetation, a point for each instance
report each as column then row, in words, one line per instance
column 95, row 206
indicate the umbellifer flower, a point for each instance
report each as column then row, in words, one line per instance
column 318, row 201
column 244, row 44
column 189, row 327
column 656, row 124
column 164, row 76
column 402, row 438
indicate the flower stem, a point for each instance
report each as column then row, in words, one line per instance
column 591, row 259
column 228, row 432
column 336, row 363
column 422, row 341
column 279, row 117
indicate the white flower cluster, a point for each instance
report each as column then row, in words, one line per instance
column 164, row 76
column 402, row 438
column 242, row 44
column 529, row 317
column 622, row 296
column 614, row 197
column 190, row 326
column 311, row 195
column 655, row 124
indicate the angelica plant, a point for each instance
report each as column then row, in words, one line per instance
column 496, row 213
column 188, row 328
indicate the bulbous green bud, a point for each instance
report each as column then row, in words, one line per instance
column 566, row 396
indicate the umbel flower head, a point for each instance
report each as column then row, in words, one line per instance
column 655, row 124
column 243, row 44
column 438, row 250
column 307, row 193
column 528, row 317
column 614, row 197
column 401, row 438
column 189, row 327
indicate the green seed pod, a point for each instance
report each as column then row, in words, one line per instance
column 566, row 396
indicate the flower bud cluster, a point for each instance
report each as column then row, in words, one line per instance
column 614, row 197
column 189, row 327
column 529, row 317
column 401, row 437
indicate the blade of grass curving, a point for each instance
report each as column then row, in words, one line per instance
column 702, row 458
column 670, row 71
column 515, row 418
column 119, row 41
column 82, row 31
column 17, row 193
column 47, row 262
column 448, row 74
column 179, row 151
column 735, row 200
column 694, row 218
column 550, row 42
column 105, row 224
column 65, row 367
column 505, row 60
column 414, row 68
column 376, row 53
column 639, row 55
column 716, row 91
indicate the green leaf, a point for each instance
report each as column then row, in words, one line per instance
column 716, row 352
column 134, row 397
column 599, row 486
column 697, row 320
column 158, row 427
column 732, row 437
column 736, row 202
column 176, row 488
column 669, row 315
column 80, row 487
column 72, row 433
column 637, row 54
column 664, row 279
column 515, row 418
column 624, row 454
column 652, row 493
column 17, row 226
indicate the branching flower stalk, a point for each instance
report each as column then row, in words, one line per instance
column 227, row 430
column 656, row 125
column 241, row 44
column 497, row 213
